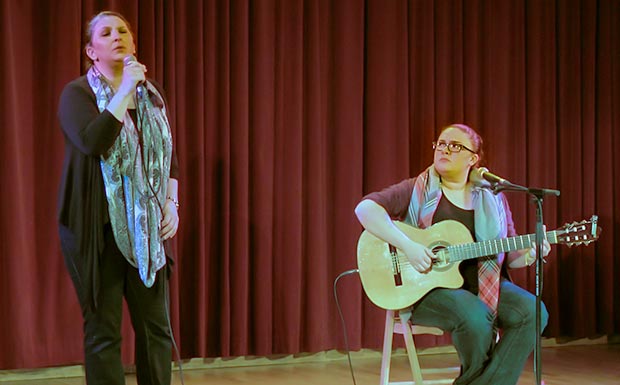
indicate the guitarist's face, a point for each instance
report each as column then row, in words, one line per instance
column 453, row 154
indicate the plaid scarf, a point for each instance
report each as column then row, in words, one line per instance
column 135, row 171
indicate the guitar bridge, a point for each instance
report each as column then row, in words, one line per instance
column 398, row 279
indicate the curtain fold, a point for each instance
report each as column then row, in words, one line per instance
column 285, row 113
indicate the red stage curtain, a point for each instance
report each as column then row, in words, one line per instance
column 285, row 113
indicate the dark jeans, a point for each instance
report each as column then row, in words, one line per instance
column 469, row 322
column 102, row 327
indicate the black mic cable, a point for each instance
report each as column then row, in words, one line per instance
column 344, row 326
column 141, row 108
column 174, row 343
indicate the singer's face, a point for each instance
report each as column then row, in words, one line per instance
column 111, row 41
column 446, row 161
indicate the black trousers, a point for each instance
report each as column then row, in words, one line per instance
column 102, row 327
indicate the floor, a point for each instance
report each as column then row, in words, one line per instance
column 587, row 364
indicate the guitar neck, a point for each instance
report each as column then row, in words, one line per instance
column 495, row 246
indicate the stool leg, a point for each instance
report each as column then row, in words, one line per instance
column 387, row 347
column 411, row 351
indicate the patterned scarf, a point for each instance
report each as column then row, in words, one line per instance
column 135, row 171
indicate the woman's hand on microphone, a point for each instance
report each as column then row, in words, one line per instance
column 133, row 74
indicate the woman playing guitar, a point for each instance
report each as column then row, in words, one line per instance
column 487, row 300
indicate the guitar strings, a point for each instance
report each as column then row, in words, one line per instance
column 456, row 253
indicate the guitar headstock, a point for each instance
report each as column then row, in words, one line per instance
column 579, row 233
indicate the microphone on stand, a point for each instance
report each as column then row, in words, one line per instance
column 140, row 88
column 490, row 177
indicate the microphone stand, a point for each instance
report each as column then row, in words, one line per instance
column 537, row 196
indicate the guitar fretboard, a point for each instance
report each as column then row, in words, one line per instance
column 495, row 246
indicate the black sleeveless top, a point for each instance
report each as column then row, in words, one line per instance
column 468, row 268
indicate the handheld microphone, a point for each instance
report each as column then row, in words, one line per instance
column 140, row 88
column 490, row 177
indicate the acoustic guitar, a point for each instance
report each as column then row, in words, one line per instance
column 392, row 283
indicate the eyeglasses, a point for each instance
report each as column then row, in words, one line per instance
column 452, row 147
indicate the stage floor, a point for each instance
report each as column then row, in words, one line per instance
column 587, row 364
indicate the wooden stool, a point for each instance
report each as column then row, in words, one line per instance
column 400, row 325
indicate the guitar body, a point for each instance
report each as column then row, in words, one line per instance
column 377, row 269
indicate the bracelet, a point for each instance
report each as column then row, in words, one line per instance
column 176, row 202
